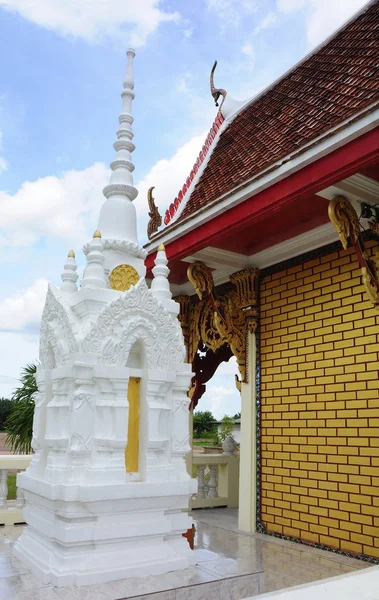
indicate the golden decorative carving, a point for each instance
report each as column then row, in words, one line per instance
column 246, row 283
column 230, row 323
column 184, row 302
column 194, row 329
column 201, row 278
column 123, row 277
column 345, row 220
column 374, row 226
column 155, row 217
column 371, row 283
column 97, row 234
column 216, row 321
column 71, row 254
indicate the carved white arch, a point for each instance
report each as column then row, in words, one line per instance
column 136, row 316
column 57, row 337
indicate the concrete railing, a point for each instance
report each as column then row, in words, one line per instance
column 11, row 511
column 218, row 480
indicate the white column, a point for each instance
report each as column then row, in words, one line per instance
column 248, row 472
column 189, row 455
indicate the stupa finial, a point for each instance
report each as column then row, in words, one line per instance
column 118, row 215
column 94, row 275
column 121, row 180
column 160, row 286
column 69, row 276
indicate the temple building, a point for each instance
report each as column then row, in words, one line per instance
column 273, row 248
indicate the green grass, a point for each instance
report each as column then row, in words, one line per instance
column 11, row 487
column 203, row 444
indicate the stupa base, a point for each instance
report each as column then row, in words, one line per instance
column 82, row 543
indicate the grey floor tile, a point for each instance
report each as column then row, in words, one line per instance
column 141, row 585
column 206, row 591
column 237, row 588
column 193, row 576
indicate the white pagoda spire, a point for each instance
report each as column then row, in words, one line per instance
column 160, row 286
column 69, row 276
column 94, row 275
column 117, row 219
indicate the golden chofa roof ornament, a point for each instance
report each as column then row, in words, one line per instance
column 155, row 217
column 216, row 92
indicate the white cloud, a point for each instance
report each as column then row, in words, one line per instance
column 182, row 85
column 168, row 176
column 67, row 207
column 232, row 12
column 60, row 207
column 95, row 20
column 221, row 396
column 266, row 23
column 23, row 311
column 322, row 16
column 248, row 50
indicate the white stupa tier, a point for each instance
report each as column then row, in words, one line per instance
column 107, row 491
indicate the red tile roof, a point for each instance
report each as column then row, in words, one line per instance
column 336, row 82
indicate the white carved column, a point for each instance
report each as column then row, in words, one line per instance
column 57, row 429
column 248, row 473
column 180, row 446
column 81, row 421
column 158, row 399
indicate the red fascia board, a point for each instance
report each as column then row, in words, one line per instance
column 312, row 178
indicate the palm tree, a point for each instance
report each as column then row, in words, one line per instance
column 19, row 425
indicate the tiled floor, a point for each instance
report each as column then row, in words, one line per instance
column 230, row 566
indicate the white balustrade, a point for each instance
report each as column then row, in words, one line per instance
column 11, row 511
column 218, row 480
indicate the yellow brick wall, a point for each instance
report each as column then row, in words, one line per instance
column 320, row 405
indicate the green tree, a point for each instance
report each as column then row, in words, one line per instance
column 227, row 427
column 19, row 425
column 204, row 424
column 5, row 411
column 237, row 416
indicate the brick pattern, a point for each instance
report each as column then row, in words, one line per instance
column 320, row 405
column 336, row 82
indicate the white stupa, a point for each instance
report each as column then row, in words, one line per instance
column 107, row 490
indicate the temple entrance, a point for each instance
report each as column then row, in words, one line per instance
column 217, row 324
column 215, row 455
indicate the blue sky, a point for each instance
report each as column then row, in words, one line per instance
column 60, row 82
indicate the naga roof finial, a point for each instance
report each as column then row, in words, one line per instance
column 216, row 92
column 155, row 217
